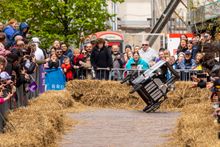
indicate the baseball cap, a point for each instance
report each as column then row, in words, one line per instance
column 187, row 52
column 35, row 40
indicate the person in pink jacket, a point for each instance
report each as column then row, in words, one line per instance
column 4, row 99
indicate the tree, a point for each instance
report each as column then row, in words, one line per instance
column 59, row 19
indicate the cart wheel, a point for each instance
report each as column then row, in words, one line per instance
column 146, row 109
column 156, row 106
column 135, row 88
column 151, row 108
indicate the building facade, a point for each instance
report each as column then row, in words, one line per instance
column 135, row 16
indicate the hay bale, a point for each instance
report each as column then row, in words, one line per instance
column 113, row 94
column 104, row 94
column 184, row 95
column 40, row 123
column 196, row 127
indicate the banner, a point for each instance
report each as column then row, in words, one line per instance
column 54, row 79
column 42, row 79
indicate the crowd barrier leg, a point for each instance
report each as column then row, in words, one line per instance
column 102, row 74
column 19, row 92
column 115, row 75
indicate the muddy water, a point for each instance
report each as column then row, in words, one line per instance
column 119, row 128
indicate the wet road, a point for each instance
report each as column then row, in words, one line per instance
column 119, row 128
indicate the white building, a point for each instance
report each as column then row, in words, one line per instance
column 140, row 15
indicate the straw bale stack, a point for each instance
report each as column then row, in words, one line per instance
column 40, row 123
column 104, row 94
column 196, row 127
column 43, row 120
column 184, row 95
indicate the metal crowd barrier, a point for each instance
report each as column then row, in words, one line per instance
column 22, row 96
column 117, row 74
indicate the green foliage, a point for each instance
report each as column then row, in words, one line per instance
column 58, row 19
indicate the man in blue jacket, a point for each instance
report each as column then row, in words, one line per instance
column 66, row 52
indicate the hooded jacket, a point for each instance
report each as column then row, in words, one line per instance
column 21, row 32
column 141, row 63
column 10, row 32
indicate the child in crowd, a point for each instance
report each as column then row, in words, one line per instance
column 78, row 58
column 67, row 69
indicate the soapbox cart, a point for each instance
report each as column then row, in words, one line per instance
column 153, row 84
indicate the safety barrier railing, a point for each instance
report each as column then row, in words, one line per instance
column 20, row 99
column 120, row 73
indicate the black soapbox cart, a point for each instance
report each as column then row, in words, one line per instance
column 153, row 84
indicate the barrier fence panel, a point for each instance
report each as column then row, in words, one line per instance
column 20, row 98
column 117, row 74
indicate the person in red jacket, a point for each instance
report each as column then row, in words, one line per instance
column 67, row 69
column 78, row 58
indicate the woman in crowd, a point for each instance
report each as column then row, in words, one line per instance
column 128, row 56
column 183, row 37
column 166, row 53
column 161, row 56
column 138, row 62
column 136, row 48
column 128, row 50
column 52, row 51
column 56, row 44
column 190, row 46
column 183, row 46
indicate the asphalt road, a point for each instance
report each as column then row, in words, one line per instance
column 119, row 128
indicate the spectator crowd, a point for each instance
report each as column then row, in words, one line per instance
column 22, row 59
